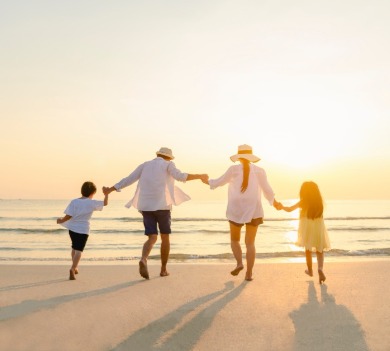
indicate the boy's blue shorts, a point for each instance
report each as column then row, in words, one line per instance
column 162, row 218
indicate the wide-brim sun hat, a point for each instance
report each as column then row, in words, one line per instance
column 245, row 152
column 164, row 151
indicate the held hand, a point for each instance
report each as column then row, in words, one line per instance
column 106, row 190
column 278, row 205
column 204, row 178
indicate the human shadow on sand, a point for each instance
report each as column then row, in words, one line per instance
column 324, row 325
column 30, row 306
column 177, row 330
column 32, row 285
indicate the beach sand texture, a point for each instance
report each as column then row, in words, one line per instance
column 198, row 307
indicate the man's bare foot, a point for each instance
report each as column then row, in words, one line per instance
column 76, row 271
column 164, row 274
column 237, row 270
column 143, row 270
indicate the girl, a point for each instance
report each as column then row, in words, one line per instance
column 246, row 184
column 312, row 233
column 76, row 219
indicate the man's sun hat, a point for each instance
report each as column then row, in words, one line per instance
column 245, row 151
column 164, row 151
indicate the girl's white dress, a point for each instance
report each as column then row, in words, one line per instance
column 312, row 234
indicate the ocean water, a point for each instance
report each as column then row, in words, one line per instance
column 200, row 232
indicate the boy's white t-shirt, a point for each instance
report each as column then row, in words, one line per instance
column 81, row 211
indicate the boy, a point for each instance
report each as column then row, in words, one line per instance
column 76, row 219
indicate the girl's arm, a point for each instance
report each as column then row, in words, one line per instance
column 63, row 219
column 291, row 208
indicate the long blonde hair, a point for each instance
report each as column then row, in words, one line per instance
column 311, row 202
column 245, row 175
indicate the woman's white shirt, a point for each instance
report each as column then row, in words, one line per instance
column 243, row 207
column 81, row 211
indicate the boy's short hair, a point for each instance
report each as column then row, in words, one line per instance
column 87, row 189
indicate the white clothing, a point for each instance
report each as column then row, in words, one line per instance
column 81, row 211
column 156, row 188
column 243, row 207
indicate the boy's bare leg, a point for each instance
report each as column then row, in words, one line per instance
column 76, row 271
column 76, row 256
column 164, row 250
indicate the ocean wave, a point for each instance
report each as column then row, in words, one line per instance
column 178, row 231
column 190, row 219
column 32, row 231
column 384, row 252
column 365, row 229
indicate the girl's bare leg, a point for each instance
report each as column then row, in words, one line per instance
column 320, row 261
column 309, row 263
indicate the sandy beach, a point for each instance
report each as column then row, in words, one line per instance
column 198, row 307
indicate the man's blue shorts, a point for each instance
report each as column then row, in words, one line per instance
column 160, row 217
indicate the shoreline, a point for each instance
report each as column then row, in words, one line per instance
column 156, row 261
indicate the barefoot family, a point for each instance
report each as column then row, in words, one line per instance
column 156, row 193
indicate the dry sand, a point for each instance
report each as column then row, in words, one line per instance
column 198, row 307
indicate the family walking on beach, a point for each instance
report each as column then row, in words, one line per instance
column 156, row 193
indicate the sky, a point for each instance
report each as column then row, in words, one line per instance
column 90, row 89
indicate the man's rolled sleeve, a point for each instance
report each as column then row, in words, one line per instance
column 176, row 173
column 130, row 179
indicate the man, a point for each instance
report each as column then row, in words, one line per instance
column 155, row 194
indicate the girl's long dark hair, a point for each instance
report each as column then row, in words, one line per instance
column 311, row 200
column 245, row 175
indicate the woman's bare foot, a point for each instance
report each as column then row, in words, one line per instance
column 248, row 276
column 309, row 272
column 76, row 271
column 237, row 270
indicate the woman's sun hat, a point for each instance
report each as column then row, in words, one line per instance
column 245, row 151
column 164, row 151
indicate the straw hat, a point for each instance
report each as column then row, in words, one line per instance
column 164, row 151
column 245, row 151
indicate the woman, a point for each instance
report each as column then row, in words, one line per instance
column 246, row 184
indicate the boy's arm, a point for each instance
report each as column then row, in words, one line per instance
column 106, row 199
column 63, row 219
column 106, row 191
